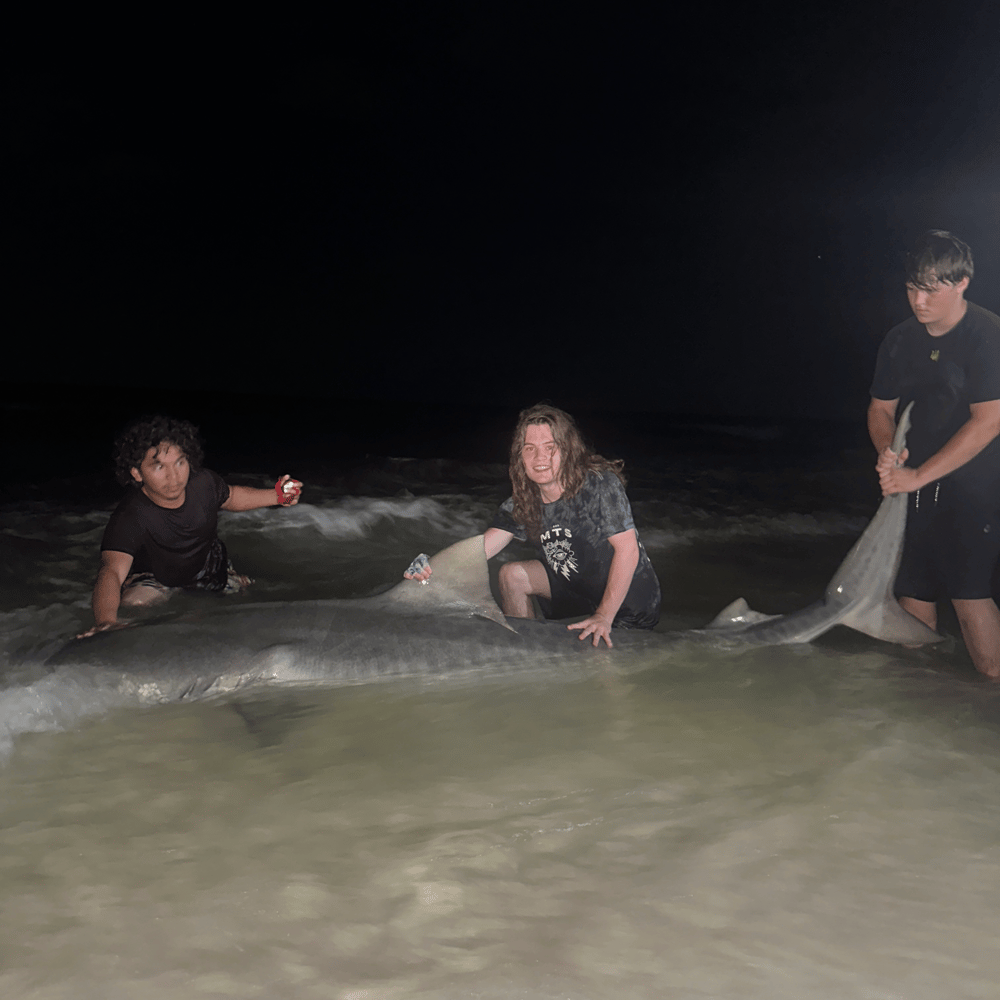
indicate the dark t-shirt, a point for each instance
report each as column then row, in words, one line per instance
column 944, row 375
column 173, row 545
column 576, row 552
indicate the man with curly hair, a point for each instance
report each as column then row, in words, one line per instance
column 570, row 504
column 162, row 536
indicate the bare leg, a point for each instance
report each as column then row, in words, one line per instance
column 143, row 597
column 519, row 582
column 980, row 621
column 926, row 611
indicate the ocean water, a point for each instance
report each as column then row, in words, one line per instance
column 815, row 822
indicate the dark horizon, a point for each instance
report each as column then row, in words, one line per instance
column 666, row 213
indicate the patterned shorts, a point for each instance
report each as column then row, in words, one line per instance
column 217, row 576
column 234, row 583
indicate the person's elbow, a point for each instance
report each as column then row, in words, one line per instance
column 110, row 576
column 986, row 419
column 626, row 546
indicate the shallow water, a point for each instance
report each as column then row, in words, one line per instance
column 801, row 823
column 814, row 822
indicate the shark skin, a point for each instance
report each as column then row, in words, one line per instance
column 860, row 595
column 447, row 628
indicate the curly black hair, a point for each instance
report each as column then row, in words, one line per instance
column 150, row 432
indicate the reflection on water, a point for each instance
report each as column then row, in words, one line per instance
column 777, row 824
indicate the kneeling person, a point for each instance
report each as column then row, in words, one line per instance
column 162, row 536
column 570, row 504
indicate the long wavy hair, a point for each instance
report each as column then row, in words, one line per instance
column 150, row 432
column 577, row 459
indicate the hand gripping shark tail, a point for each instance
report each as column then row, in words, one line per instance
column 860, row 595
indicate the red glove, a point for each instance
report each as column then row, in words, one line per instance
column 287, row 490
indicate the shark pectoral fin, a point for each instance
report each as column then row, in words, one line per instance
column 738, row 613
column 459, row 580
column 494, row 614
column 888, row 621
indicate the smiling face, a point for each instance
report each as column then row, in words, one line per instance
column 542, row 460
column 163, row 474
column 939, row 305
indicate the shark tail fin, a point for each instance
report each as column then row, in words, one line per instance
column 888, row 621
column 738, row 613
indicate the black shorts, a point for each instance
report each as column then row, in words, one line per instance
column 951, row 547
column 566, row 603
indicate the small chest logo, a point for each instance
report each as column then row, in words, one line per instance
column 559, row 551
column 935, row 355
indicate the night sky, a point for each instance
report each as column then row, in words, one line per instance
column 699, row 211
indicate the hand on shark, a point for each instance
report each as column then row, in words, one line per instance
column 419, row 569
column 596, row 625
column 104, row 627
column 893, row 475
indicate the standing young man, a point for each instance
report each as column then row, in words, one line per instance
column 162, row 536
column 946, row 358
column 570, row 504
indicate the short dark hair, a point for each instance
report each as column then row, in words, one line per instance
column 150, row 432
column 938, row 256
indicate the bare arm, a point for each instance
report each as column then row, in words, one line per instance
column 107, row 594
column 968, row 441
column 249, row 498
column 623, row 564
column 496, row 540
column 882, row 422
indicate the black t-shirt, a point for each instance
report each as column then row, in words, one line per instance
column 172, row 544
column 944, row 375
column 575, row 549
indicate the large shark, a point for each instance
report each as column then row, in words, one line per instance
column 448, row 627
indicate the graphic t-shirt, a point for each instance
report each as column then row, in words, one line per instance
column 944, row 375
column 576, row 552
column 173, row 545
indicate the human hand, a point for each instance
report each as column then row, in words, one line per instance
column 900, row 479
column 103, row 627
column 419, row 569
column 288, row 491
column 888, row 459
column 596, row 625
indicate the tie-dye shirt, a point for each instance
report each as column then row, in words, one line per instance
column 577, row 555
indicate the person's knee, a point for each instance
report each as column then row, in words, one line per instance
column 514, row 578
column 527, row 577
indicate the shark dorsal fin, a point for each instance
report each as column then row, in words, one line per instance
column 738, row 613
column 460, row 580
